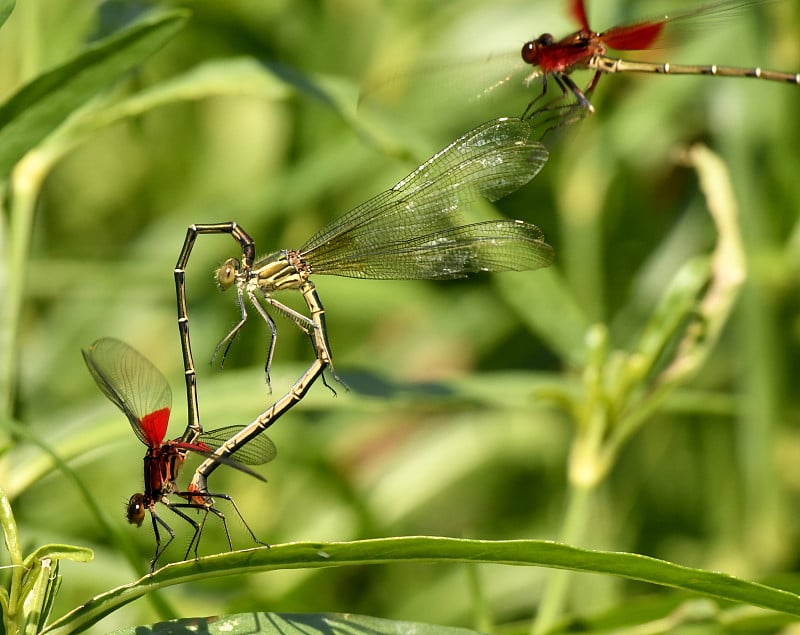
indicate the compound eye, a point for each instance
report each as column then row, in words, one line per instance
column 531, row 50
column 135, row 509
column 226, row 274
column 545, row 39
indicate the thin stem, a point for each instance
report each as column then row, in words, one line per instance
column 27, row 179
column 587, row 468
column 10, row 536
column 555, row 594
column 482, row 614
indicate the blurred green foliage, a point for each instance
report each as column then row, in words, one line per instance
column 250, row 114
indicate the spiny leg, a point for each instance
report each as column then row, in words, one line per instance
column 241, row 517
column 157, row 520
column 560, row 112
column 529, row 112
column 194, row 543
column 313, row 327
column 228, row 340
column 210, row 508
column 273, row 335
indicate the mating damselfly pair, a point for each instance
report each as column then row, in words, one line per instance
column 412, row 231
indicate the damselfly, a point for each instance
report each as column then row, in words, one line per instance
column 588, row 49
column 411, row 231
column 137, row 388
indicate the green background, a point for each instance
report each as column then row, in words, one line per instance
column 445, row 430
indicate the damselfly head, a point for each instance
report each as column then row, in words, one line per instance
column 135, row 509
column 226, row 274
column 530, row 50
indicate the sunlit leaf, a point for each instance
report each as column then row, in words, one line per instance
column 42, row 105
column 419, row 549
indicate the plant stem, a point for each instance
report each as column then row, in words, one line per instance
column 10, row 536
column 27, row 178
column 555, row 593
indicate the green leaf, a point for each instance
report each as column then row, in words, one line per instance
column 60, row 552
column 240, row 76
column 36, row 598
column 433, row 549
column 42, row 105
column 307, row 623
column 6, row 7
column 40, row 582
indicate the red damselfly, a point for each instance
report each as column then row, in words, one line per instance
column 588, row 49
column 137, row 388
